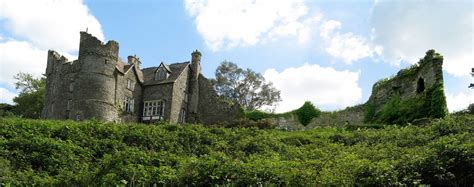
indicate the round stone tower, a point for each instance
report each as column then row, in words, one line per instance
column 96, row 83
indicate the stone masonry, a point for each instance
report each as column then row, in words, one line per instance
column 99, row 85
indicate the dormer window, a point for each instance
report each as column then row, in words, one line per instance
column 161, row 73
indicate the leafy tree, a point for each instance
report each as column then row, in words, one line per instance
column 246, row 87
column 29, row 102
column 306, row 113
column 6, row 110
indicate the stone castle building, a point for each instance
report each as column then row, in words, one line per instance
column 99, row 85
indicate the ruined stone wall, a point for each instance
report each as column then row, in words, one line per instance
column 415, row 92
column 60, row 76
column 212, row 109
column 179, row 101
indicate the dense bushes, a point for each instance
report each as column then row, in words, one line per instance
column 65, row 153
column 306, row 113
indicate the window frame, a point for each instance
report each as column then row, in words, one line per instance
column 128, row 104
column 130, row 84
column 154, row 108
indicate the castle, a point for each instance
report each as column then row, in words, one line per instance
column 99, row 85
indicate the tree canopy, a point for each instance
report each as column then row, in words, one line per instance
column 306, row 113
column 246, row 87
column 29, row 102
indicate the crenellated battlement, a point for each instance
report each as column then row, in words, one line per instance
column 91, row 45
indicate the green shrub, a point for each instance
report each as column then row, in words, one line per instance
column 68, row 153
column 306, row 113
column 257, row 115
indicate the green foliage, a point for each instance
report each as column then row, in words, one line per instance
column 6, row 110
column 29, row 103
column 306, row 113
column 430, row 103
column 245, row 87
column 256, row 115
column 438, row 106
column 68, row 153
column 396, row 111
column 369, row 113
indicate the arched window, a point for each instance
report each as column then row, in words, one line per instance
column 420, row 85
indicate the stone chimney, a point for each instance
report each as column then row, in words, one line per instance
column 134, row 60
column 196, row 56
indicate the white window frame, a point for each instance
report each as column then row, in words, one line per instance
column 130, row 84
column 69, row 103
column 71, row 86
column 128, row 105
column 154, row 108
column 182, row 116
column 185, row 96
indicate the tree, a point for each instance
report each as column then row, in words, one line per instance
column 306, row 113
column 29, row 102
column 246, row 87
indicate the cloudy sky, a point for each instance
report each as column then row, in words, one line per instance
column 329, row 52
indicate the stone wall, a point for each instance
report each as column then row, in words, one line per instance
column 179, row 101
column 415, row 92
column 60, row 74
column 160, row 92
column 212, row 109
column 96, row 93
column 136, row 94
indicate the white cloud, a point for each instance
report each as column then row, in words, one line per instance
column 459, row 101
column 231, row 23
column 324, row 86
column 49, row 24
column 6, row 96
column 407, row 29
column 16, row 56
column 35, row 27
column 225, row 24
column 346, row 46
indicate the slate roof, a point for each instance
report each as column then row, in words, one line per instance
column 175, row 70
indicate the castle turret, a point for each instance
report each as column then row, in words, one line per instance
column 97, row 80
column 194, row 86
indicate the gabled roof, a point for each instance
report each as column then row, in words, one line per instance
column 125, row 68
column 167, row 67
column 175, row 71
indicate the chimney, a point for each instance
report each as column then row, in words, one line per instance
column 196, row 56
column 134, row 60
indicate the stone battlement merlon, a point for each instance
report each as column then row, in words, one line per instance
column 54, row 55
column 90, row 44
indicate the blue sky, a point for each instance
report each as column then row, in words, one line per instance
column 328, row 52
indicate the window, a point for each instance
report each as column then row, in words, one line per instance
column 161, row 74
column 182, row 116
column 185, row 97
column 71, row 86
column 154, row 108
column 130, row 84
column 420, row 85
column 128, row 104
column 69, row 103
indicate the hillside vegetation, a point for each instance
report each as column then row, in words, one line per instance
column 65, row 153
